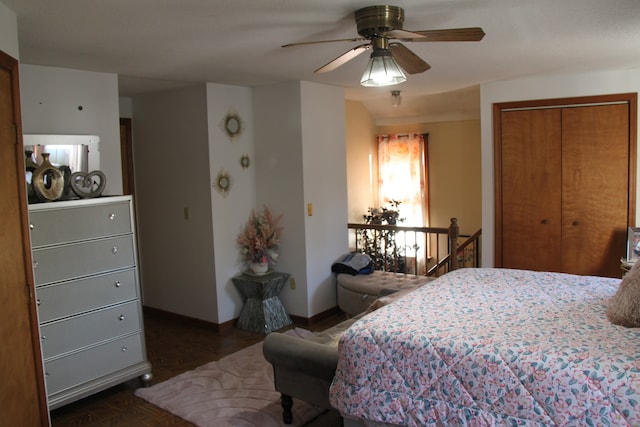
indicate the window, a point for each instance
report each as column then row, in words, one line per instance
column 402, row 175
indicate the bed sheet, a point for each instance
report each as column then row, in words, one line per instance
column 493, row 347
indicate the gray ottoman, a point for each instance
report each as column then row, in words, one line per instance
column 356, row 293
column 304, row 367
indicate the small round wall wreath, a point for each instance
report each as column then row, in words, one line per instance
column 223, row 182
column 232, row 125
column 244, row 161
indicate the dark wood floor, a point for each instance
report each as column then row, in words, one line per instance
column 174, row 345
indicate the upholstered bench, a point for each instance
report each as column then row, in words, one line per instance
column 304, row 367
column 357, row 293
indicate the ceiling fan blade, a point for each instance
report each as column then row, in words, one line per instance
column 409, row 61
column 356, row 39
column 402, row 35
column 472, row 34
column 344, row 58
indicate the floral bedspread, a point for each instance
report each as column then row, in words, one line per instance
column 493, row 347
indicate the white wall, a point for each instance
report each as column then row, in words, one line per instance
column 171, row 149
column 537, row 87
column 8, row 31
column 230, row 212
column 279, row 184
column 73, row 102
column 126, row 107
column 325, row 187
column 300, row 158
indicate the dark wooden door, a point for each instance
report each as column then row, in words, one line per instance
column 595, row 188
column 22, row 393
column 126, row 154
column 531, row 185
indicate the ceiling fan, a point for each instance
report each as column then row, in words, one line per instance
column 380, row 26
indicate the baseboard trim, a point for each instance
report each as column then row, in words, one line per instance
column 217, row 327
column 220, row 327
column 309, row 321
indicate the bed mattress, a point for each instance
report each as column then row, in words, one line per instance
column 492, row 347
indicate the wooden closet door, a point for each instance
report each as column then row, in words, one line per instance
column 22, row 394
column 531, row 189
column 595, row 188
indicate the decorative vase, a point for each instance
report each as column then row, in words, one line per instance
column 30, row 167
column 29, row 164
column 259, row 268
column 47, row 181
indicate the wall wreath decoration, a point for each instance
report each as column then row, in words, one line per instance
column 223, row 182
column 232, row 125
column 245, row 162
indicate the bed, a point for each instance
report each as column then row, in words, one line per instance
column 492, row 347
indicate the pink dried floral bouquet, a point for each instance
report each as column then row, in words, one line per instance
column 260, row 239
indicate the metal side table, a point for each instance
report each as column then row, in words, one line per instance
column 263, row 311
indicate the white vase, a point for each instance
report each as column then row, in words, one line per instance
column 259, row 268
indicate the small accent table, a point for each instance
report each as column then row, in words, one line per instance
column 263, row 311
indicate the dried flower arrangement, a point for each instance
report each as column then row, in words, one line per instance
column 260, row 239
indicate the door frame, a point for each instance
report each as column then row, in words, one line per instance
column 630, row 98
column 40, row 406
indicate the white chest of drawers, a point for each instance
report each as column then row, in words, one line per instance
column 88, row 295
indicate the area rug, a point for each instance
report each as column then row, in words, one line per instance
column 236, row 390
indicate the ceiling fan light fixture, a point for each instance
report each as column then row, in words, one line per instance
column 382, row 70
column 396, row 99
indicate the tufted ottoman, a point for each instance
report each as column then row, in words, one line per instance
column 356, row 293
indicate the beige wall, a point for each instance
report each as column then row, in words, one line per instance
column 362, row 158
column 454, row 167
column 455, row 188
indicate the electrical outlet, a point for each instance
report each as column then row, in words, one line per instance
column 293, row 283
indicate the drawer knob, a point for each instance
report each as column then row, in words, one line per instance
column 112, row 216
column 118, row 284
column 44, row 337
column 38, row 301
column 121, row 317
column 124, row 349
column 31, row 226
column 114, row 249
column 35, row 264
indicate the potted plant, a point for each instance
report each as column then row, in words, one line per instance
column 381, row 245
column 260, row 240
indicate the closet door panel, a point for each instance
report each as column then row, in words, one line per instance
column 595, row 188
column 531, row 183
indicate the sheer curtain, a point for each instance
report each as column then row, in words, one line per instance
column 402, row 175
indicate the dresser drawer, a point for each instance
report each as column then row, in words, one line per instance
column 74, row 297
column 64, row 225
column 53, row 264
column 95, row 362
column 87, row 329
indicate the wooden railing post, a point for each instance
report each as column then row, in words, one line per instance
column 454, row 233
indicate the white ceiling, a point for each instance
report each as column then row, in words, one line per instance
column 237, row 42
